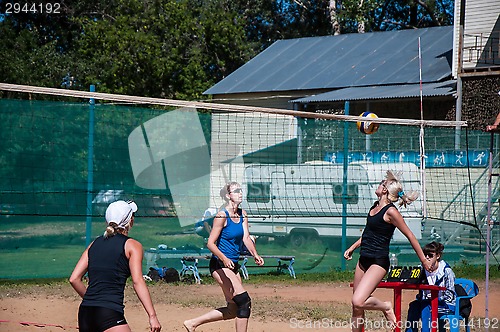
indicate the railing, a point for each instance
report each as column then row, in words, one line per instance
column 481, row 49
column 461, row 206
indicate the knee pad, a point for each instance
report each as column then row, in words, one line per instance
column 229, row 312
column 244, row 304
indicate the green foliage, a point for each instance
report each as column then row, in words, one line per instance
column 26, row 61
column 386, row 15
column 475, row 272
column 335, row 275
column 177, row 49
column 167, row 49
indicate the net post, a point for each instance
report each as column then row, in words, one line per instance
column 488, row 230
column 344, row 186
column 90, row 169
column 458, row 113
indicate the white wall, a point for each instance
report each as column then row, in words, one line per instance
column 480, row 19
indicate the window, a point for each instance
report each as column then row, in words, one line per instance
column 258, row 192
column 352, row 193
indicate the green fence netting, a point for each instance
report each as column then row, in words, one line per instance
column 174, row 162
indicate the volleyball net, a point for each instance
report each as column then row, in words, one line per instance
column 307, row 178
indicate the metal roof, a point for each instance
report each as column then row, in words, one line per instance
column 350, row 60
column 445, row 88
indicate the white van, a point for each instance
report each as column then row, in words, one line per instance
column 305, row 201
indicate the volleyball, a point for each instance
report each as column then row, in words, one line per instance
column 368, row 128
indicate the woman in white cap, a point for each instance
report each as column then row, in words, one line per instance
column 110, row 260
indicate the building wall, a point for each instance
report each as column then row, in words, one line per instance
column 480, row 100
column 456, row 39
column 481, row 34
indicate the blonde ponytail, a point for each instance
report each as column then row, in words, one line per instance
column 395, row 190
column 408, row 198
column 110, row 230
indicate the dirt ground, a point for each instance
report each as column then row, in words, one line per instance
column 275, row 307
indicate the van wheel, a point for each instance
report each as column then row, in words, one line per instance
column 298, row 240
column 313, row 239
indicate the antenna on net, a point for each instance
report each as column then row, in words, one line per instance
column 421, row 136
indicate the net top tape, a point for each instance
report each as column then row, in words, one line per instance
column 221, row 107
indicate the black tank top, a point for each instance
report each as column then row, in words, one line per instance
column 377, row 234
column 108, row 272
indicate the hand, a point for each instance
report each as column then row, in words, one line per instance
column 154, row 324
column 427, row 265
column 228, row 263
column 258, row 260
column 491, row 127
column 348, row 254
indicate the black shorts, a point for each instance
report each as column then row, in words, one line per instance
column 216, row 264
column 98, row 319
column 366, row 262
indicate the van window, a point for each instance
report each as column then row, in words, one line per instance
column 352, row 193
column 259, row 192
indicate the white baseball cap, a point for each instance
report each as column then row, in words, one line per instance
column 120, row 212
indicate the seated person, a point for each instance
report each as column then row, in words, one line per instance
column 204, row 226
column 440, row 275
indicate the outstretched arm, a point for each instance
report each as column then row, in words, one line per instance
column 397, row 220
column 133, row 250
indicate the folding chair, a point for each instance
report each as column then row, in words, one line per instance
column 454, row 318
column 190, row 268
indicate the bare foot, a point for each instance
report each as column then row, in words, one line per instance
column 389, row 314
column 189, row 326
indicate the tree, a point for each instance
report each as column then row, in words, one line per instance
column 179, row 48
column 350, row 16
column 170, row 49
